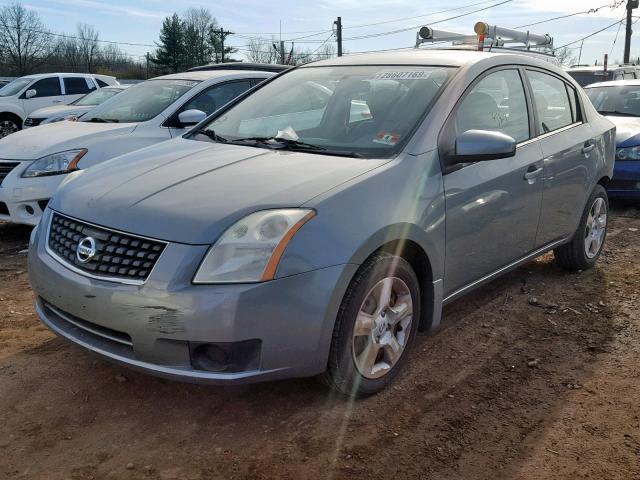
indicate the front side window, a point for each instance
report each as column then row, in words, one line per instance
column 621, row 100
column 317, row 107
column 76, row 86
column 141, row 102
column 553, row 107
column 15, row 87
column 496, row 103
column 47, row 87
column 217, row 96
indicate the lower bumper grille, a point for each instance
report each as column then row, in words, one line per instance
column 33, row 122
column 6, row 168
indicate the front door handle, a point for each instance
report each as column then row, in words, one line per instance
column 588, row 147
column 532, row 173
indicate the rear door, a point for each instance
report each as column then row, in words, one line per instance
column 76, row 87
column 568, row 146
column 48, row 92
column 492, row 207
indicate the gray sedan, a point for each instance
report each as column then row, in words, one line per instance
column 295, row 234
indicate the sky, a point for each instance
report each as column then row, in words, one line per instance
column 139, row 21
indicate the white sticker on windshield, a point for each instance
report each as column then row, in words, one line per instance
column 402, row 74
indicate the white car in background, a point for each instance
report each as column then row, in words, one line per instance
column 27, row 94
column 73, row 110
column 35, row 161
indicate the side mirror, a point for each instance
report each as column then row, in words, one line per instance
column 480, row 146
column 31, row 93
column 191, row 117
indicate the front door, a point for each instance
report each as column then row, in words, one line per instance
column 48, row 92
column 492, row 207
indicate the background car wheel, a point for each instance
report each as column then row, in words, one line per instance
column 586, row 246
column 8, row 125
column 376, row 325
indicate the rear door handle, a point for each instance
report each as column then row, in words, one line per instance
column 588, row 147
column 532, row 173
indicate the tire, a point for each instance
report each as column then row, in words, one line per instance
column 363, row 364
column 578, row 254
column 9, row 124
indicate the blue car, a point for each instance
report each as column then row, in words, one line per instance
column 619, row 101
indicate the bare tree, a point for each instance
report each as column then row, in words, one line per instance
column 88, row 45
column 261, row 51
column 565, row 56
column 68, row 51
column 23, row 38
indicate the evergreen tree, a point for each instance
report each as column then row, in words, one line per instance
column 171, row 48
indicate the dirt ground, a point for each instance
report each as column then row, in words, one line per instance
column 535, row 376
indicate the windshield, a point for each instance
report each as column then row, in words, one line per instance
column 141, row 102
column 616, row 100
column 96, row 97
column 587, row 78
column 361, row 110
column 14, row 87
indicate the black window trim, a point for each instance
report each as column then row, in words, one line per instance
column 23, row 95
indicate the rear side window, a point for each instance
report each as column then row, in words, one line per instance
column 552, row 104
column 76, row 86
column 496, row 103
column 47, row 87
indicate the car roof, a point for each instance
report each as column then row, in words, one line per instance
column 206, row 75
column 261, row 67
column 43, row 75
column 423, row 57
column 614, row 83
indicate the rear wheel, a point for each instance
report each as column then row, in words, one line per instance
column 8, row 125
column 376, row 326
column 586, row 246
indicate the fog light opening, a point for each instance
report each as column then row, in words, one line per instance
column 210, row 357
column 29, row 209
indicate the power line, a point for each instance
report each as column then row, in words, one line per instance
column 585, row 12
column 591, row 34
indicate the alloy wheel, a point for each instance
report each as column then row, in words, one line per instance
column 7, row 127
column 596, row 228
column 382, row 327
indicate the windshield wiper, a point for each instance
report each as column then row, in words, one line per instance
column 615, row 112
column 211, row 135
column 297, row 145
column 103, row 120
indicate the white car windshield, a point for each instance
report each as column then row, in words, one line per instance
column 616, row 100
column 368, row 111
column 14, row 87
column 96, row 97
column 141, row 102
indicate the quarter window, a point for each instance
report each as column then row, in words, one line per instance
column 552, row 104
column 496, row 103
column 47, row 87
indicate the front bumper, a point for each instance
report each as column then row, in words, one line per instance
column 153, row 327
column 24, row 200
column 626, row 180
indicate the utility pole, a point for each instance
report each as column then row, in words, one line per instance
column 147, row 58
column 338, row 24
column 282, row 52
column 221, row 45
column 631, row 5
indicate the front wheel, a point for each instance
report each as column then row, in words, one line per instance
column 8, row 125
column 376, row 325
column 586, row 246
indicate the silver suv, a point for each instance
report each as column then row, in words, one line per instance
column 317, row 224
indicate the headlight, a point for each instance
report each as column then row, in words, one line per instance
column 628, row 153
column 55, row 164
column 250, row 250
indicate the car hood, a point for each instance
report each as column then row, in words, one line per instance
column 189, row 191
column 627, row 130
column 34, row 143
column 59, row 111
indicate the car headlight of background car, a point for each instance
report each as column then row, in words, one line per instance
column 71, row 116
column 55, row 164
column 250, row 250
column 628, row 153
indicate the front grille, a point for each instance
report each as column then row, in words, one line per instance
column 5, row 169
column 118, row 256
column 33, row 122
